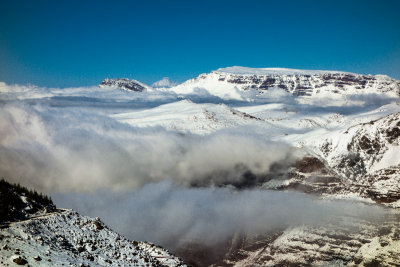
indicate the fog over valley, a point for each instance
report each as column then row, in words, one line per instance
column 204, row 167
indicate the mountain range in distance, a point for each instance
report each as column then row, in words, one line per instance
column 330, row 136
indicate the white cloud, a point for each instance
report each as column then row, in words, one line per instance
column 172, row 216
column 164, row 83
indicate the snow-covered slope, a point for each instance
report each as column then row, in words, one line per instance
column 376, row 143
column 366, row 155
column 56, row 237
column 232, row 83
column 188, row 117
column 67, row 238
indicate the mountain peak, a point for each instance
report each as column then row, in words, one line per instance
column 235, row 83
column 124, row 83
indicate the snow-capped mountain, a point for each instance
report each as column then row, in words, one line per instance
column 231, row 82
column 124, row 83
column 241, row 83
column 360, row 150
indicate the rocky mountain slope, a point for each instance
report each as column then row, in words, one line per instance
column 352, row 242
column 127, row 84
column 229, row 82
column 236, row 82
column 54, row 237
column 365, row 157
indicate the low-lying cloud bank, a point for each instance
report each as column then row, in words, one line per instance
column 76, row 149
column 172, row 216
column 59, row 140
column 138, row 180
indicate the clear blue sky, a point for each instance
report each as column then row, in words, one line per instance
column 72, row 43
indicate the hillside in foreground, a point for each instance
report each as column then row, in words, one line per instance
column 37, row 234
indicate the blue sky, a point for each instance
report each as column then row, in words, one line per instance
column 79, row 43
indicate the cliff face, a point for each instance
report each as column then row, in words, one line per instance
column 366, row 155
column 306, row 84
column 223, row 82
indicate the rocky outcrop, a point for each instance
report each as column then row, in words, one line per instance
column 332, row 245
column 310, row 83
column 367, row 156
column 233, row 83
column 127, row 84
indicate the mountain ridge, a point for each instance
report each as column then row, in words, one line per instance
column 315, row 84
column 125, row 83
column 236, row 82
